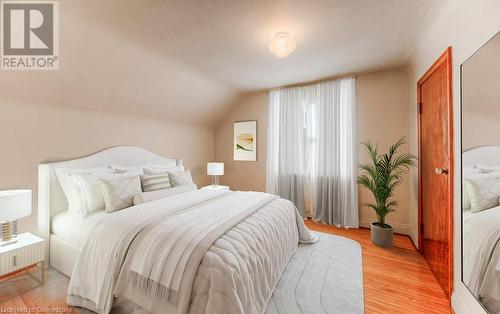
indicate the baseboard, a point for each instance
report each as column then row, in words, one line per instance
column 398, row 228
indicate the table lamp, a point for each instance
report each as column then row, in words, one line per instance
column 14, row 204
column 215, row 169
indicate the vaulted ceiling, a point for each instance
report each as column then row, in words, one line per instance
column 191, row 60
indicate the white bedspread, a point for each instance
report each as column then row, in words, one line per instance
column 236, row 275
column 481, row 246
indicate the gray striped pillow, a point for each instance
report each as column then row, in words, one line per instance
column 155, row 182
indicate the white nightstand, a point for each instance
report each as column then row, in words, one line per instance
column 217, row 187
column 26, row 253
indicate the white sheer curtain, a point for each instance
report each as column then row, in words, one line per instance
column 311, row 154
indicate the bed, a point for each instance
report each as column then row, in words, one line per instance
column 198, row 251
column 481, row 232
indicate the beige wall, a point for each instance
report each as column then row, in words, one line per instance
column 481, row 97
column 35, row 133
column 244, row 175
column 383, row 116
column 466, row 26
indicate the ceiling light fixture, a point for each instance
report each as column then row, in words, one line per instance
column 282, row 45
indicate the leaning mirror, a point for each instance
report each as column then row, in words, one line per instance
column 480, row 76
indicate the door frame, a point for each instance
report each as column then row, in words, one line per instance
column 445, row 58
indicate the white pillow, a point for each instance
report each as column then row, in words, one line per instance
column 150, row 170
column 484, row 192
column 164, row 166
column 470, row 171
column 70, row 186
column 91, row 192
column 119, row 193
column 154, row 195
column 484, row 169
column 467, row 172
column 180, row 178
column 123, row 169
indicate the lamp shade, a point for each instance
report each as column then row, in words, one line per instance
column 215, row 168
column 14, row 204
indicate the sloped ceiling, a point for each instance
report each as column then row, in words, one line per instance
column 190, row 61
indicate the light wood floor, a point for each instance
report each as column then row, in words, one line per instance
column 397, row 280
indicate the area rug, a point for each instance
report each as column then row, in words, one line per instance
column 326, row 277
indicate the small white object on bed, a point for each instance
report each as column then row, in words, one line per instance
column 59, row 252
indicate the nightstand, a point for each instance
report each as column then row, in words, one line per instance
column 22, row 255
column 216, row 187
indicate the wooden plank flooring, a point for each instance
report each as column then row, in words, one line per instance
column 397, row 280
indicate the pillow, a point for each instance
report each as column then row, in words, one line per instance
column 118, row 193
column 91, row 192
column 163, row 166
column 470, row 171
column 180, row 178
column 467, row 172
column 121, row 169
column 70, row 186
column 155, row 182
column 154, row 195
column 484, row 169
column 484, row 192
column 150, row 169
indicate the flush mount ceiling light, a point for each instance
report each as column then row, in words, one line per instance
column 282, row 45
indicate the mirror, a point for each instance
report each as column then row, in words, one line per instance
column 480, row 76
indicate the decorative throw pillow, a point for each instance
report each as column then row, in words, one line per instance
column 484, row 192
column 180, row 178
column 164, row 166
column 122, row 169
column 154, row 195
column 155, row 182
column 119, row 193
column 91, row 192
column 484, row 169
column 70, row 186
column 154, row 169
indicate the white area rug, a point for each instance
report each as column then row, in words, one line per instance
column 326, row 277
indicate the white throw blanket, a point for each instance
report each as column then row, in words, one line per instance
column 168, row 252
column 141, row 252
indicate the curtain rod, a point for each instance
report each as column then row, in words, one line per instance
column 354, row 76
column 332, row 78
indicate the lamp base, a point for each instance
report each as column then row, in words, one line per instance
column 9, row 233
column 215, row 180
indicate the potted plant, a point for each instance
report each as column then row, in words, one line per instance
column 381, row 175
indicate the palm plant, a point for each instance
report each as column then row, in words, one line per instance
column 382, row 175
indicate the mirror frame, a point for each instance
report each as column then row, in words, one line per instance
column 462, row 167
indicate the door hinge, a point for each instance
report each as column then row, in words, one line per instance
column 419, row 108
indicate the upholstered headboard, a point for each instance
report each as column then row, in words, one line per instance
column 482, row 155
column 51, row 199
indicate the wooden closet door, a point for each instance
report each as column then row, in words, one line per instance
column 435, row 169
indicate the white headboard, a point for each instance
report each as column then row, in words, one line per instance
column 482, row 155
column 51, row 199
